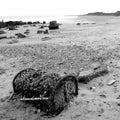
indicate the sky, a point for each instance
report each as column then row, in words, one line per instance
column 56, row 7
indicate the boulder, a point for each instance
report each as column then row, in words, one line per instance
column 53, row 25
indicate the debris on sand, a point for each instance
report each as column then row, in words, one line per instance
column 20, row 35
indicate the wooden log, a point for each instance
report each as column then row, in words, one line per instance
column 88, row 75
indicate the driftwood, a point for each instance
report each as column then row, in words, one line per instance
column 86, row 76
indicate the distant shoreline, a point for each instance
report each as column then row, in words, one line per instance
column 104, row 14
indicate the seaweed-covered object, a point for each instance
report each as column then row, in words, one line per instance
column 45, row 85
column 32, row 83
column 22, row 79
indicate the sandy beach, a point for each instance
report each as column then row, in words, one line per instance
column 72, row 49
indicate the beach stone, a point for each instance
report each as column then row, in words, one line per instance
column 20, row 35
column 46, row 32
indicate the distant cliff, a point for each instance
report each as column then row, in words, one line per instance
column 105, row 14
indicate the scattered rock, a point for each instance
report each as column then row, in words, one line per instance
column 85, row 23
column 13, row 119
column 46, row 32
column 78, row 24
column 40, row 31
column 20, row 35
column 44, row 22
column 102, row 96
column 26, row 32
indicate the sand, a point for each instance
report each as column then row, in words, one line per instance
column 71, row 49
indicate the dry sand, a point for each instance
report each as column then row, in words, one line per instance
column 70, row 49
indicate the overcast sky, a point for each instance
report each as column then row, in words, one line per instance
column 56, row 7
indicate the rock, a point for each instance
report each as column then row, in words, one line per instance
column 44, row 22
column 45, row 38
column 40, row 31
column 26, row 32
column 53, row 25
column 46, row 32
column 41, row 27
column 20, row 35
column 102, row 96
column 78, row 24
column 12, row 28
